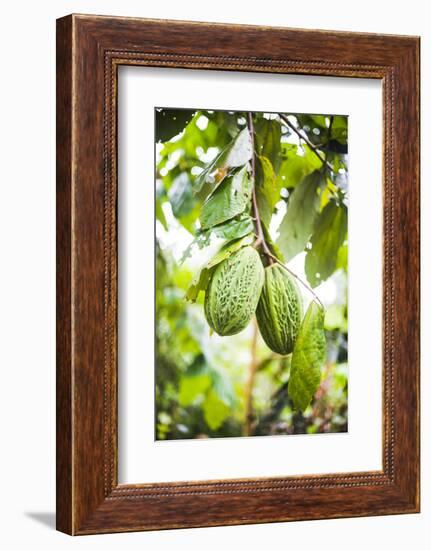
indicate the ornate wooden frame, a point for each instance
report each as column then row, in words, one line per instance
column 89, row 51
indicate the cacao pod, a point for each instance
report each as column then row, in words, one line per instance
column 279, row 311
column 233, row 292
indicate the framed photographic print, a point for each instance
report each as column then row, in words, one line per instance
column 237, row 274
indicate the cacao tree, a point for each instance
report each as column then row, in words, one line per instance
column 260, row 201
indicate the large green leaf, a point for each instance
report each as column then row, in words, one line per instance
column 298, row 162
column 160, row 199
column 268, row 141
column 228, row 120
column 199, row 282
column 336, row 317
column 232, row 229
column 328, row 235
column 297, row 225
column 314, row 127
column 160, row 215
column 181, row 196
column 267, row 189
column 342, row 258
column 273, row 247
column 265, row 212
column 222, row 386
column 230, row 199
column 170, row 122
column 308, row 357
column 235, row 154
column 228, row 249
column 265, row 180
column 185, row 148
column 215, row 410
column 339, row 129
column 194, row 382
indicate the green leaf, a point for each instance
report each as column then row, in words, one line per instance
column 339, row 129
column 180, row 195
column 273, row 247
column 236, row 153
column 342, row 258
column 336, row 317
column 265, row 211
column 160, row 215
column 230, row 199
column 314, row 127
column 193, row 138
column 192, row 387
column 222, row 386
column 265, row 180
column 328, row 235
column 170, row 122
column 232, row 229
column 308, row 358
column 295, row 165
column 194, row 382
column 215, row 410
column 228, row 249
column 199, row 282
column 267, row 189
column 268, row 141
column 320, row 120
column 201, row 279
column 303, row 208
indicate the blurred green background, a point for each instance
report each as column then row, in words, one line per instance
column 202, row 379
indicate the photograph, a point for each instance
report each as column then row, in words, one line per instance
column 251, row 273
column 212, row 316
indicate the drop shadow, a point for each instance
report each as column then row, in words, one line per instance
column 45, row 518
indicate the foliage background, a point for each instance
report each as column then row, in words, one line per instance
column 201, row 379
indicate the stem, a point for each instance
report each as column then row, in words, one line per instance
column 306, row 140
column 260, row 241
column 331, row 121
column 303, row 283
column 250, row 383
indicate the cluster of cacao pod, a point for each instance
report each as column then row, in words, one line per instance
column 241, row 287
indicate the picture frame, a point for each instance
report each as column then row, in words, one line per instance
column 89, row 51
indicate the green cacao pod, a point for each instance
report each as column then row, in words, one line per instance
column 279, row 311
column 233, row 292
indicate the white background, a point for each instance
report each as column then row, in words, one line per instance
column 27, row 313
column 141, row 458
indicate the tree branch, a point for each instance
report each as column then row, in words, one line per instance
column 298, row 279
column 250, row 383
column 306, row 140
column 260, row 241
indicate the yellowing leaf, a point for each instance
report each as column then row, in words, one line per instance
column 268, row 141
column 267, row 190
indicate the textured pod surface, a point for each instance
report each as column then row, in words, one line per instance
column 233, row 292
column 279, row 311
